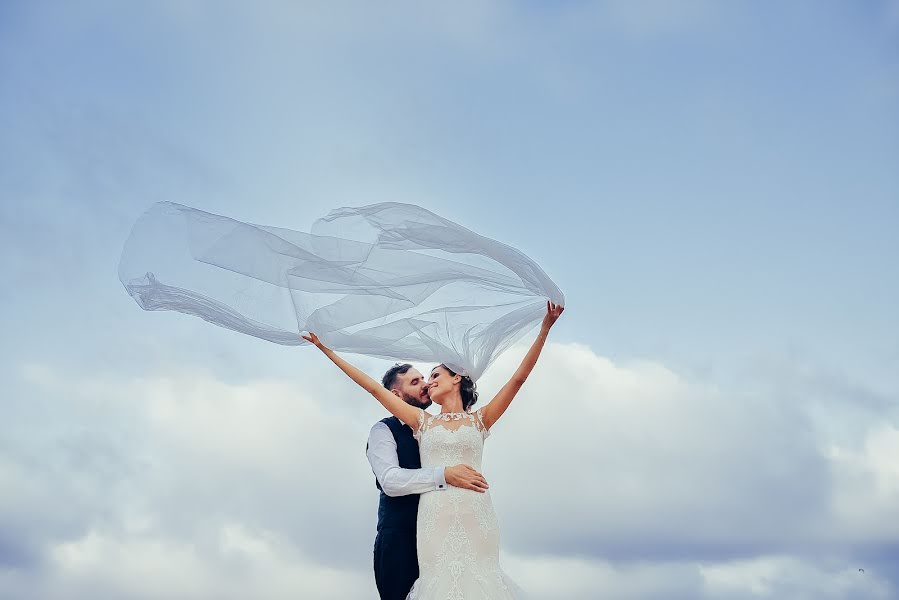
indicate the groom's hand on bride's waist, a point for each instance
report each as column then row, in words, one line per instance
column 463, row 476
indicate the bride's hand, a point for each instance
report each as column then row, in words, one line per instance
column 553, row 312
column 313, row 339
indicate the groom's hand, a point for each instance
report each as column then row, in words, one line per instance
column 463, row 476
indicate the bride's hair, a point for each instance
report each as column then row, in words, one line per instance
column 467, row 388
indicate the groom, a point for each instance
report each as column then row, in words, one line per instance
column 395, row 461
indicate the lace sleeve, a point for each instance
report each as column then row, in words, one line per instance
column 479, row 423
column 416, row 432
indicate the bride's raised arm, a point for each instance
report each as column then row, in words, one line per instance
column 491, row 413
column 404, row 412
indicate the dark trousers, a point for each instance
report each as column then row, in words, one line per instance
column 396, row 562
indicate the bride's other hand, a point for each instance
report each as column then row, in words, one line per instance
column 496, row 407
column 553, row 312
column 313, row 339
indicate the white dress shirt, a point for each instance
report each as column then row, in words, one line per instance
column 394, row 480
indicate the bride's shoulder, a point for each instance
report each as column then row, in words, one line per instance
column 424, row 421
column 479, row 421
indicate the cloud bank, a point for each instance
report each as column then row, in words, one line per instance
column 610, row 480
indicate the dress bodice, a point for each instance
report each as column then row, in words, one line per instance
column 457, row 531
column 451, row 439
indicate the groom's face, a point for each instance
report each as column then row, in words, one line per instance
column 413, row 389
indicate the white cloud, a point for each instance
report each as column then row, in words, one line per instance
column 660, row 465
column 240, row 564
column 787, row 577
column 586, row 579
column 609, row 479
column 772, row 578
column 866, row 486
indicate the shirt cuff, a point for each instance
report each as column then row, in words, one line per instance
column 440, row 478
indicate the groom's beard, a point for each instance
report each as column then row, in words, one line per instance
column 418, row 402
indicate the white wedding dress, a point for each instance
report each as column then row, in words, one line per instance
column 458, row 534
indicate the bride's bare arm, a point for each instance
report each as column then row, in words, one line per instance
column 491, row 413
column 404, row 412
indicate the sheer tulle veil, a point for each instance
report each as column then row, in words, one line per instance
column 387, row 280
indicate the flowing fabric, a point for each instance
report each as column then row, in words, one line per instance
column 387, row 280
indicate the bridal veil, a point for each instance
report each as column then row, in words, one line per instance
column 388, row 280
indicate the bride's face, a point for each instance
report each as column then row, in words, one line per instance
column 440, row 384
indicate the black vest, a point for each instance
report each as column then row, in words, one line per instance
column 400, row 511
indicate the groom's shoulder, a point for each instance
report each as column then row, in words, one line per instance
column 389, row 422
column 396, row 427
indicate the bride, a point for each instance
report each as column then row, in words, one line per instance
column 457, row 531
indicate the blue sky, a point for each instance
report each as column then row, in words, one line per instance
column 713, row 185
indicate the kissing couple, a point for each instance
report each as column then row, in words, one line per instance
column 438, row 535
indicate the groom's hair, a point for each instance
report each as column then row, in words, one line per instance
column 390, row 377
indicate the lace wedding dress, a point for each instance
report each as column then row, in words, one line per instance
column 458, row 534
